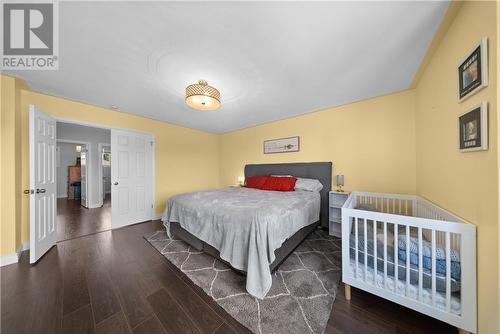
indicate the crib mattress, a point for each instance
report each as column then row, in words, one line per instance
column 399, row 288
column 401, row 265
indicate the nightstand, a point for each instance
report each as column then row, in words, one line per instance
column 336, row 201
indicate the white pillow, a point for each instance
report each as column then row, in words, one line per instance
column 308, row 184
column 305, row 184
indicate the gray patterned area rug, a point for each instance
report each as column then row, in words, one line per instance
column 301, row 296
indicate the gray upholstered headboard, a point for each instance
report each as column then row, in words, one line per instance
column 321, row 171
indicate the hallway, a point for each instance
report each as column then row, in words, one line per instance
column 73, row 220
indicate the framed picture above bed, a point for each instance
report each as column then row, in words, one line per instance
column 473, row 129
column 473, row 71
column 282, row 145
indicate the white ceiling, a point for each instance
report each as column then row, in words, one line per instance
column 270, row 60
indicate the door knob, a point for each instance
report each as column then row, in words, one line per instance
column 28, row 191
column 116, row 183
column 40, row 191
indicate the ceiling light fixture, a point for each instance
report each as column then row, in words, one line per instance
column 203, row 97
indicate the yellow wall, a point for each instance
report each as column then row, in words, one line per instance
column 371, row 142
column 10, row 176
column 7, row 209
column 464, row 183
column 185, row 159
column 498, row 150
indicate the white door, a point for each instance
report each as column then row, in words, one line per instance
column 84, row 155
column 42, row 139
column 131, row 177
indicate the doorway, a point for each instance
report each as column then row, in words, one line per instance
column 78, row 160
column 54, row 219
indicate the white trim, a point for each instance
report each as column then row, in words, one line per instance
column 26, row 246
column 23, row 246
column 153, row 179
column 100, row 172
column 62, row 196
column 157, row 216
column 5, row 260
column 71, row 141
column 96, row 125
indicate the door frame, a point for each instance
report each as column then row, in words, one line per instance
column 100, row 171
column 108, row 127
column 89, row 148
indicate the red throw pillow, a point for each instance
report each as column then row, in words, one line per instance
column 256, row 181
column 281, row 183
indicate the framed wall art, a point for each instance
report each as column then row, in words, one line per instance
column 473, row 129
column 282, row 145
column 473, row 71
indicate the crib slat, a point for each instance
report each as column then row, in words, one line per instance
column 365, row 232
column 433, row 273
column 356, row 221
column 407, row 260
column 396, row 265
column 448, row 272
column 385, row 255
column 420, row 264
column 375, row 252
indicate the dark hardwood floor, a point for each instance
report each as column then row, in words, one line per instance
column 115, row 282
column 73, row 220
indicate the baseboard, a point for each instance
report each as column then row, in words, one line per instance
column 157, row 216
column 95, row 206
column 24, row 246
column 5, row 260
column 62, row 196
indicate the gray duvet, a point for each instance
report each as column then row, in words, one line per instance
column 245, row 225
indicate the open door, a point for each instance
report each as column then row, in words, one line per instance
column 131, row 177
column 42, row 139
column 84, row 155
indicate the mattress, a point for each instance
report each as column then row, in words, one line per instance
column 399, row 287
column 245, row 225
column 401, row 263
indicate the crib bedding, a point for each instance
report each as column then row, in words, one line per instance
column 414, row 275
column 427, row 256
column 411, row 291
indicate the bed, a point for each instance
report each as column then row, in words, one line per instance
column 252, row 230
column 412, row 252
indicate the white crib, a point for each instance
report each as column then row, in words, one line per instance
column 405, row 249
